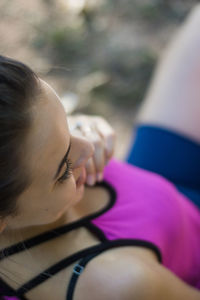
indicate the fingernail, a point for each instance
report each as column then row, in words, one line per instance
column 99, row 176
column 90, row 180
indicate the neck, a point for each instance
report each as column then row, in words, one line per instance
column 12, row 235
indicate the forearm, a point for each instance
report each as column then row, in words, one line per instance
column 164, row 285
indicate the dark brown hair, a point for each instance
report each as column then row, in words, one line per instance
column 19, row 86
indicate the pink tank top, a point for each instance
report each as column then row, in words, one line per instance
column 145, row 209
column 148, row 207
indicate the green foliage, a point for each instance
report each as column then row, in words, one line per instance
column 63, row 44
column 81, row 44
column 159, row 12
column 130, row 73
column 151, row 12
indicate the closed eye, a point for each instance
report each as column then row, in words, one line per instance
column 63, row 161
column 68, row 171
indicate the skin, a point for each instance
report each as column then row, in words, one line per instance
column 37, row 205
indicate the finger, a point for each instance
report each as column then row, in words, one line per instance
column 99, row 159
column 99, row 152
column 108, row 135
column 94, row 166
column 90, row 172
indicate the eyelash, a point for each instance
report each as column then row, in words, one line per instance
column 67, row 172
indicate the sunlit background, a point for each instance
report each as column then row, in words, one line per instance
column 98, row 54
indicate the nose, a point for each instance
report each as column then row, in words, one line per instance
column 81, row 151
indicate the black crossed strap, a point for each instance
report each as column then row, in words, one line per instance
column 83, row 255
column 77, row 270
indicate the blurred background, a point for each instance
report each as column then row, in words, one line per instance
column 98, row 54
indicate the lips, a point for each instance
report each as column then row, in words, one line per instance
column 81, row 179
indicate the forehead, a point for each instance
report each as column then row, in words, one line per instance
column 49, row 134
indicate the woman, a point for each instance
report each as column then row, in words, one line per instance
column 132, row 236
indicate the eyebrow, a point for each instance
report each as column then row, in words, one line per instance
column 62, row 162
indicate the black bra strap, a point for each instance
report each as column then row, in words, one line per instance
column 83, row 255
column 41, row 238
column 51, row 234
column 77, row 270
column 54, row 269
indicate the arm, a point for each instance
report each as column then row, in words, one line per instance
column 165, row 285
column 131, row 277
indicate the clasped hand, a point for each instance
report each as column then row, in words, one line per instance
column 97, row 131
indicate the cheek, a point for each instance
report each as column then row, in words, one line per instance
column 70, row 193
column 66, row 191
column 61, row 200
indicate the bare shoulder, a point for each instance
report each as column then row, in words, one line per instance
column 123, row 274
column 117, row 274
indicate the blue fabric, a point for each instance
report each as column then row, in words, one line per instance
column 169, row 154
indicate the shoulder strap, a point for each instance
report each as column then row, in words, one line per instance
column 41, row 238
column 84, row 254
column 57, row 267
column 77, row 270
column 51, row 234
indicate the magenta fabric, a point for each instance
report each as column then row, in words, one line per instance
column 150, row 208
column 198, row 285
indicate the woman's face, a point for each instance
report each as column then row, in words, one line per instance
column 56, row 161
